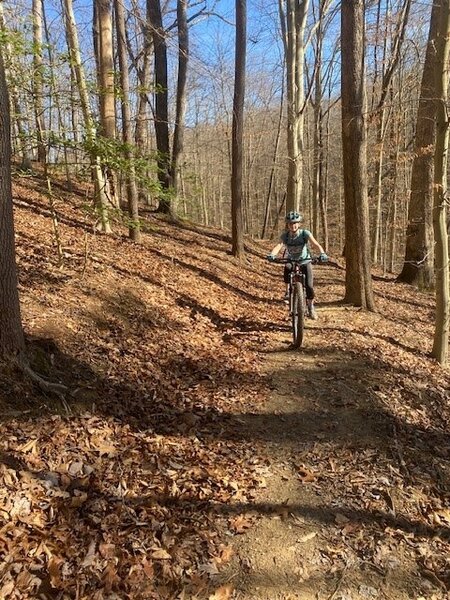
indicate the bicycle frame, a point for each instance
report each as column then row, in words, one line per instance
column 296, row 276
column 297, row 297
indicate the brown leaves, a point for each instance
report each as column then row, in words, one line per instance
column 223, row 593
column 131, row 494
column 306, row 475
column 160, row 554
column 241, row 523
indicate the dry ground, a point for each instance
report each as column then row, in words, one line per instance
column 195, row 455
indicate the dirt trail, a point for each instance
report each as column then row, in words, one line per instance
column 320, row 522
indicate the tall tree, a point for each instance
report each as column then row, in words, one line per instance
column 11, row 332
column 103, row 43
column 441, row 336
column 105, row 69
column 132, row 192
column 238, row 129
column 293, row 23
column 418, row 264
column 38, row 79
column 358, row 282
column 101, row 199
column 158, row 35
column 183, row 57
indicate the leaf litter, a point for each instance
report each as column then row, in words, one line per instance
column 142, row 483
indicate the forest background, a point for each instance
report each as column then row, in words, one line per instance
column 42, row 59
column 156, row 105
column 135, row 372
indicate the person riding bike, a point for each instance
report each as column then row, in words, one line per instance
column 294, row 243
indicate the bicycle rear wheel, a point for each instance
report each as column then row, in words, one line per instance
column 298, row 314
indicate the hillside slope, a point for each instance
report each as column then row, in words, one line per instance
column 138, row 482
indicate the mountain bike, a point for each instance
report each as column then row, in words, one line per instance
column 297, row 296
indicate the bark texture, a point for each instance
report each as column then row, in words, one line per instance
column 11, row 333
column 238, row 130
column 418, row 264
column 441, row 336
column 358, row 282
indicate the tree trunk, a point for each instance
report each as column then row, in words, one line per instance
column 38, row 84
column 377, row 234
column 161, row 102
column 11, row 333
column 358, row 282
column 99, row 181
column 141, row 130
column 294, row 28
column 238, row 131
column 183, row 56
column 418, row 264
column 106, row 69
column 441, row 334
column 127, row 134
column 105, row 76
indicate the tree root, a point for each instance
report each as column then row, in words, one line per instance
column 46, row 386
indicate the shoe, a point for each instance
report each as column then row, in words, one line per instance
column 312, row 311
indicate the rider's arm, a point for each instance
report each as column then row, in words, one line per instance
column 275, row 251
column 315, row 244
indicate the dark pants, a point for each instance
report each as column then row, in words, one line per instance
column 309, row 281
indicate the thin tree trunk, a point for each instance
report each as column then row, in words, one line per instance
column 441, row 334
column 56, row 99
column 99, row 181
column 296, row 14
column 238, row 131
column 141, row 129
column 132, row 194
column 38, row 83
column 12, row 340
column 183, row 57
column 377, row 234
column 107, row 100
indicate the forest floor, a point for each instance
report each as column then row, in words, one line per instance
column 195, row 455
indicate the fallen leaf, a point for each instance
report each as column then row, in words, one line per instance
column 29, row 447
column 341, row 519
column 161, row 554
column 240, row 524
column 307, row 537
column 222, row 593
column 225, row 555
column 306, row 475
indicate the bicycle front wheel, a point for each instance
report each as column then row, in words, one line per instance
column 298, row 314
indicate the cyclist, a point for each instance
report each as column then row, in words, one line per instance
column 294, row 243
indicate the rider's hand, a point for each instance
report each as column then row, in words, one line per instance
column 270, row 257
column 323, row 258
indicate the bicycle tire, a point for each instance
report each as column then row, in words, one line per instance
column 298, row 314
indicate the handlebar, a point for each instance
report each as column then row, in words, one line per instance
column 301, row 261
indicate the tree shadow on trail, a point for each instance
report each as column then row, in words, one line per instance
column 222, row 323
column 380, row 336
column 319, row 513
column 181, row 396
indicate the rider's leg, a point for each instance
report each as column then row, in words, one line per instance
column 287, row 271
column 309, row 284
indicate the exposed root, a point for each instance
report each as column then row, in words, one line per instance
column 46, row 386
